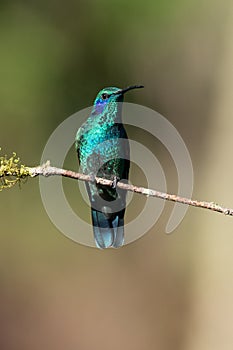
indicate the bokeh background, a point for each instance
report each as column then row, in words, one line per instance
column 163, row 291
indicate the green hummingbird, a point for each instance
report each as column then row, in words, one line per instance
column 103, row 150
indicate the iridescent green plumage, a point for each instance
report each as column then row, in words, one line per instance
column 103, row 150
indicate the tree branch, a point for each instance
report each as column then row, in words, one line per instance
column 47, row 170
column 12, row 172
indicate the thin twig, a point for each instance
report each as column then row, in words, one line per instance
column 48, row 170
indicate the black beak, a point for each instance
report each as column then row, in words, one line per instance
column 123, row 91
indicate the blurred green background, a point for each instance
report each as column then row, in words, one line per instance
column 161, row 292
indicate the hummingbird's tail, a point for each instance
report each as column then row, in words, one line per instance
column 108, row 230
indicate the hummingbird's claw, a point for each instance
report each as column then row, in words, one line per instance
column 92, row 177
column 115, row 181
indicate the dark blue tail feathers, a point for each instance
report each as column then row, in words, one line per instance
column 108, row 231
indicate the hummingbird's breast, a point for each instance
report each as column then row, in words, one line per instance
column 102, row 145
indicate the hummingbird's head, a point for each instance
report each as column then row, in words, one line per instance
column 109, row 96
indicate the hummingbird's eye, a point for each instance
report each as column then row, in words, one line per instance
column 105, row 96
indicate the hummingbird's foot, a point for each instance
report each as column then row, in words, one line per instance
column 115, row 181
column 92, row 177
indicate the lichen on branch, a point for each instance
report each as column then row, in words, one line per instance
column 12, row 171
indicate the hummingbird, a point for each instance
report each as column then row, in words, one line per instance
column 103, row 150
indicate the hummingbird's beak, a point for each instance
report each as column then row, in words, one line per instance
column 123, row 91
